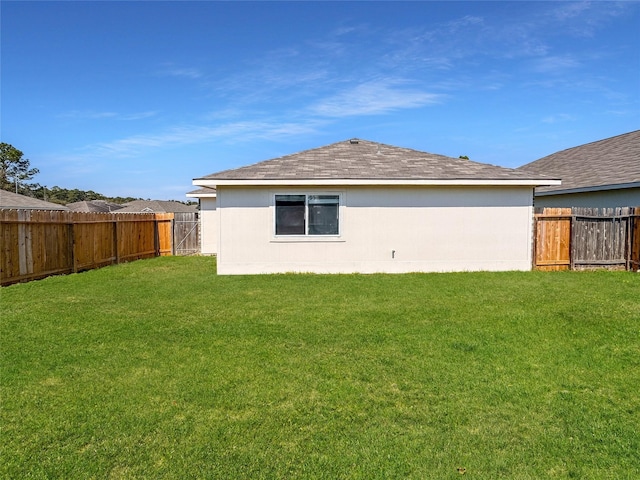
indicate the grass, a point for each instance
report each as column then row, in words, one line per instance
column 161, row 369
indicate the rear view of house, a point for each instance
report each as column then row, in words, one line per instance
column 362, row 206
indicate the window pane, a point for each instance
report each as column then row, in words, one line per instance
column 323, row 214
column 290, row 215
column 325, row 199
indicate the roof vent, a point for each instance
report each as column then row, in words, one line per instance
column 354, row 141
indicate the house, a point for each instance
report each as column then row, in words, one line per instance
column 605, row 173
column 15, row 201
column 157, row 206
column 208, row 219
column 96, row 206
column 362, row 206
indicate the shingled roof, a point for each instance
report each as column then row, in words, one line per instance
column 157, row 206
column 606, row 164
column 203, row 192
column 10, row 200
column 362, row 160
column 96, row 206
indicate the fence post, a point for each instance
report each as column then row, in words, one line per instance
column 628, row 246
column 635, row 239
column 572, row 256
column 173, row 235
column 534, row 242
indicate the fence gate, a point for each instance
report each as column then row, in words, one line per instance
column 552, row 237
column 186, row 234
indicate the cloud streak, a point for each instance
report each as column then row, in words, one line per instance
column 94, row 115
column 374, row 98
column 136, row 145
column 558, row 118
column 555, row 64
column 170, row 70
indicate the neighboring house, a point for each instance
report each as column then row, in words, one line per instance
column 157, row 206
column 605, row 173
column 208, row 219
column 97, row 206
column 361, row 206
column 10, row 200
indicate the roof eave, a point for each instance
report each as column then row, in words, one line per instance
column 534, row 182
column 31, row 207
column 595, row 188
column 201, row 195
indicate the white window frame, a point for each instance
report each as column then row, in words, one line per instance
column 306, row 237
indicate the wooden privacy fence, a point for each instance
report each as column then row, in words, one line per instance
column 38, row 243
column 583, row 238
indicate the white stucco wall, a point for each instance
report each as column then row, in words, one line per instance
column 208, row 226
column 382, row 229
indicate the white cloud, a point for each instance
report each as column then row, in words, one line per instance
column 585, row 18
column 374, row 98
column 93, row 115
column 134, row 145
column 555, row 64
column 557, row 118
column 463, row 23
column 138, row 115
column 171, row 70
column 137, row 145
column 87, row 115
column 570, row 10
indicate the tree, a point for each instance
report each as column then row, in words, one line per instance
column 15, row 170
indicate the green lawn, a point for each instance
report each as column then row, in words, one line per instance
column 161, row 369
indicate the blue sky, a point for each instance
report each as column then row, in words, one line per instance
column 138, row 98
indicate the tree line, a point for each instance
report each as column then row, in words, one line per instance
column 64, row 196
column 16, row 175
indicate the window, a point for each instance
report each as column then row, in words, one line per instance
column 307, row 214
column 290, row 213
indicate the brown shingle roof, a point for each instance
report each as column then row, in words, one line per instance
column 10, row 200
column 157, row 206
column 204, row 191
column 609, row 162
column 365, row 160
column 98, row 206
